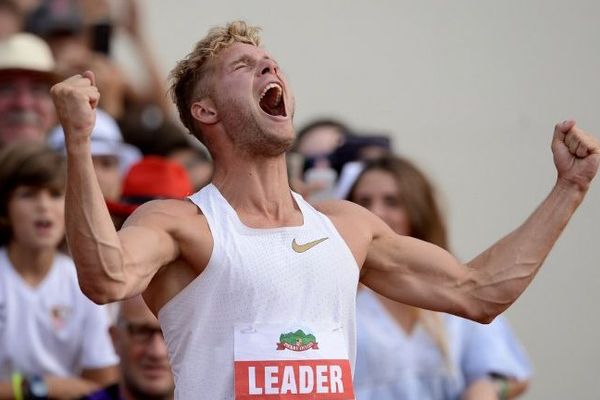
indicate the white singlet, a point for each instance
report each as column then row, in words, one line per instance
column 293, row 277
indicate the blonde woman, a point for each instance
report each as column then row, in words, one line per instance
column 409, row 353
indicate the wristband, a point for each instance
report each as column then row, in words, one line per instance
column 16, row 380
column 36, row 388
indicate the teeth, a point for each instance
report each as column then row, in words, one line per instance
column 271, row 86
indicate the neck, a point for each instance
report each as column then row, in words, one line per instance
column 32, row 264
column 258, row 189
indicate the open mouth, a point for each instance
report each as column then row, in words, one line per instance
column 271, row 100
column 43, row 224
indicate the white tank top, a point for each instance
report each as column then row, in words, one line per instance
column 255, row 276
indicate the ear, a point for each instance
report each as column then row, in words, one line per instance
column 205, row 112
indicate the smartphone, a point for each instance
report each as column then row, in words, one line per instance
column 322, row 180
column 101, row 37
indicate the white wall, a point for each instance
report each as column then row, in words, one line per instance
column 471, row 90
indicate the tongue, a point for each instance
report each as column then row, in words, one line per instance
column 271, row 102
column 273, row 98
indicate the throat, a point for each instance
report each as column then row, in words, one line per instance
column 270, row 219
column 32, row 266
column 260, row 207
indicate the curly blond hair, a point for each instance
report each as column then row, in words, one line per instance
column 188, row 80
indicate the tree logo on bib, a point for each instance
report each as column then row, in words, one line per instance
column 297, row 341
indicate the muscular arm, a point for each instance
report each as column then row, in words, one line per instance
column 76, row 387
column 423, row 275
column 110, row 266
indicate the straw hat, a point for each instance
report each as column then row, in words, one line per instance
column 27, row 52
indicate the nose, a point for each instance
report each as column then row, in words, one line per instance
column 44, row 199
column 378, row 208
column 268, row 66
column 23, row 98
column 156, row 346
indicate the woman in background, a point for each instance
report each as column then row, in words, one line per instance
column 409, row 353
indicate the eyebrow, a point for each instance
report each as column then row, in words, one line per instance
column 246, row 58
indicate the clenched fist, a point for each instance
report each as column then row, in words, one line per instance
column 75, row 100
column 576, row 154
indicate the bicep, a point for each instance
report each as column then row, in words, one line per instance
column 415, row 272
column 146, row 248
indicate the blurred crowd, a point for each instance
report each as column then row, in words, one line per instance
column 55, row 343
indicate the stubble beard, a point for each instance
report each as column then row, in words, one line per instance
column 248, row 136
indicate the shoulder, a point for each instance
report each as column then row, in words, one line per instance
column 347, row 216
column 170, row 207
column 164, row 213
column 342, row 209
column 356, row 225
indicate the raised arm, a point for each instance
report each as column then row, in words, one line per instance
column 423, row 275
column 110, row 266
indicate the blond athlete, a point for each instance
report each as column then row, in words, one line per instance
column 254, row 288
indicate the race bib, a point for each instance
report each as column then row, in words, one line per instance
column 301, row 361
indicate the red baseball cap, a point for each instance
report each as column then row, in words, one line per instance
column 151, row 178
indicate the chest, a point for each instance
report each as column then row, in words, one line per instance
column 54, row 308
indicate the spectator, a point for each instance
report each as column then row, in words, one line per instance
column 111, row 157
column 73, row 44
column 320, row 138
column 196, row 161
column 80, row 33
column 311, row 172
column 11, row 19
column 53, row 339
column 154, row 135
column 152, row 178
column 27, row 6
column 145, row 372
column 409, row 353
column 26, row 74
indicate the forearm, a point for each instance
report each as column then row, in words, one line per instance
column 6, row 390
column 69, row 388
column 513, row 388
column 58, row 388
column 502, row 272
column 91, row 235
column 482, row 389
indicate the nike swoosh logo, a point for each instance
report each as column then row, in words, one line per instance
column 301, row 248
